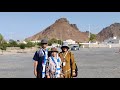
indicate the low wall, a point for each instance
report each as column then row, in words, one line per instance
column 18, row 50
column 100, row 45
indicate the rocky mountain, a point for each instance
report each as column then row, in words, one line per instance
column 62, row 30
column 110, row 31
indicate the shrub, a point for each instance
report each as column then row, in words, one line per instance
column 30, row 44
column 22, row 46
column 12, row 43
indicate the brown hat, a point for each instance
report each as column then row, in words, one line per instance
column 54, row 49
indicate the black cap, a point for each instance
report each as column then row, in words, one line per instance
column 44, row 41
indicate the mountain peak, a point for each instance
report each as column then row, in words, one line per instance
column 108, row 32
column 61, row 20
column 62, row 30
column 115, row 25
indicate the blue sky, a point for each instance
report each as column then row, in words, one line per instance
column 19, row 25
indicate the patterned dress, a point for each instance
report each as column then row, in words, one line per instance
column 53, row 67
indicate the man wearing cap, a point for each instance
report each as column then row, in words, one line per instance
column 40, row 58
column 68, row 62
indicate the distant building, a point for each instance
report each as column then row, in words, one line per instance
column 36, row 41
column 112, row 40
column 55, row 45
column 69, row 41
column 23, row 42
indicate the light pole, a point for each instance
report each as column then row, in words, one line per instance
column 61, row 37
column 89, row 35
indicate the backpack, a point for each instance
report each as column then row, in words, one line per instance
column 76, row 68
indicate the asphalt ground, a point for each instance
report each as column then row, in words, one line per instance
column 92, row 63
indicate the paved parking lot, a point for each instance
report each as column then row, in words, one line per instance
column 98, row 63
column 92, row 63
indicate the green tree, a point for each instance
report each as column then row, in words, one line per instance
column 3, row 47
column 38, row 44
column 60, row 42
column 53, row 40
column 92, row 37
column 1, row 38
column 13, row 43
column 3, row 43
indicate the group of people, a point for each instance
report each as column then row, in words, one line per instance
column 54, row 64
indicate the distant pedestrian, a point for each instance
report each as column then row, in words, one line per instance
column 68, row 62
column 40, row 58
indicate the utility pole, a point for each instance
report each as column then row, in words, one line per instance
column 89, row 35
column 61, row 37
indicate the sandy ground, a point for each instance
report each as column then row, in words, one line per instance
column 92, row 63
